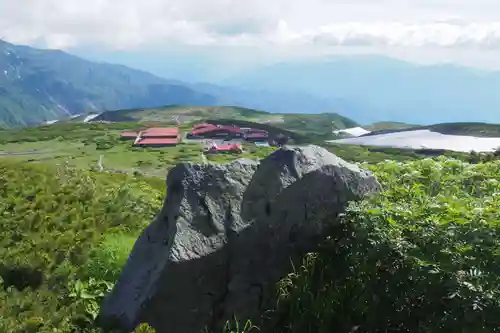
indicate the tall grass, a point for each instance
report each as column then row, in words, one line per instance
column 108, row 258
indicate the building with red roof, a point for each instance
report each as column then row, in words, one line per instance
column 256, row 136
column 160, row 132
column 158, row 137
column 230, row 148
column 215, row 131
column 198, row 126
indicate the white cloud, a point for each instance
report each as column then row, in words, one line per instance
column 382, row 34
column 128, row 24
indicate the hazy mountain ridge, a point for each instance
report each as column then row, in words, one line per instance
column 41, row 85
column 375, row 88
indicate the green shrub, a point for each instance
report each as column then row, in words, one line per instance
column 421, row 257
column 55, row 225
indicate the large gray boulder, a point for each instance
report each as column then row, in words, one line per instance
column 226, row 234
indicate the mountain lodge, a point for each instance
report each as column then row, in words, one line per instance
column 211, row 131
column 154, row 137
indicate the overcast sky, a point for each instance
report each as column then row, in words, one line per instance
column 454, row 29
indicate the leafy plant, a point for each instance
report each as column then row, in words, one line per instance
column 235, row 327
column 92, row 293
column 421, row 257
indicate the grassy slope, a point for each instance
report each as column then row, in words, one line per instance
column 58, row 209
column 80, row 145
column 388, row 125
column 468, row 129
column 60, row 226
column 319, row 125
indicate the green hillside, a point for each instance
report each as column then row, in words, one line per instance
column 319, row 126
column 467, row 129
column 81, row 145
column 388, row 125
column 185, row 114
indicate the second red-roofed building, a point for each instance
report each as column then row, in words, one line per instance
column 158, row 137
column 257, row 136
column 209, row 131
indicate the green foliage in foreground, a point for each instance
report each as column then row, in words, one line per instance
column 63, row 236
column 422, row 257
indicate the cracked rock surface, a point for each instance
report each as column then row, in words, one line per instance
column 225, row 236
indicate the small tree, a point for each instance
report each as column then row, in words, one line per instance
column 474, row 157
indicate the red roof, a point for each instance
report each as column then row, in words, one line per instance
column 161, row 131
column 257, row 135
column 128, row 134
column 201, row 126
column 204, row 129
column 212, row 128
column 255, row 130
column 228, row 147
column 157, row 141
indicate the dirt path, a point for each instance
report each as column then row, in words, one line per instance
column 22, row 153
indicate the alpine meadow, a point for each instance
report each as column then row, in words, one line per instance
column 422, row 256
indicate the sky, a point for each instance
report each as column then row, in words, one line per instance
column 462, row 31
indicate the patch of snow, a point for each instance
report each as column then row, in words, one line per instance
column 418, row 139
column 354, row 131
column 75, row 116
column 50, row 122
column 58, row 105
column 90, row 117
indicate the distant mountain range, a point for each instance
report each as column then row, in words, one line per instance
column 375, row 88
column 366, row 88
column 42, row 85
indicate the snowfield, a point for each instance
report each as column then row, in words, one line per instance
column 90, row 117
column 354, row 131
column 425, row 139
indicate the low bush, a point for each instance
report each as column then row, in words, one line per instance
column 64, row 235
column 422, row 257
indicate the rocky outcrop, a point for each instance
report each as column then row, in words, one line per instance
column 225, row 236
